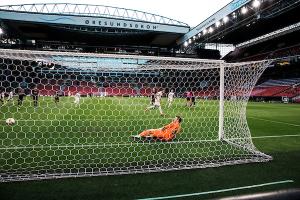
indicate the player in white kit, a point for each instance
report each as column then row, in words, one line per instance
column 77, row 98
column 171, row 96
column 156, row 104
column 2, row 97
column 10, row 96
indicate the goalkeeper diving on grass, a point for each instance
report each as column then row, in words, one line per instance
column 166, row 133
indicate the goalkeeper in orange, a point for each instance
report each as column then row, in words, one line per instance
column 166, row 133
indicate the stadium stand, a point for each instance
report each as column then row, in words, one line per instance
column 93, row 28
column 141, row 36
column 278, row 88
column 89, row 88
column 270, row 49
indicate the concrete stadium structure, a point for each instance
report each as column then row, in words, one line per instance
column 93, row 24
column 96, row 28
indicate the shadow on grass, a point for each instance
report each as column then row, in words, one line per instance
column 284, row 166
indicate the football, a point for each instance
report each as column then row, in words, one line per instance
column 10, row 121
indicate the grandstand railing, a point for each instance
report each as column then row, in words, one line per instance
column 280, row 82
column 278, row 88
column 93, row 11
column 274, row 34
column 282, row 53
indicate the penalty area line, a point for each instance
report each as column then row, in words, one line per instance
column 274, row 136
column 219, row 191
column 278, row 122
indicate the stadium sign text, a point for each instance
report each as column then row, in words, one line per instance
column 119, row 24
column 237, row 4
column 92, row 21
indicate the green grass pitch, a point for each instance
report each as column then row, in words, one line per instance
column 68, row 138
column 264, row 120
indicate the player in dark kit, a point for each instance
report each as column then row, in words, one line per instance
column 193, row 99
column 189, row 98
column 21, row 95
column 35, row 96
column 56, row 98
column 154, row 91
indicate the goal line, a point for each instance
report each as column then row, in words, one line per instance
column 136, row 143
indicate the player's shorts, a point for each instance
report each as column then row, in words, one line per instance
column 157, row 134
column 188, row 98
column 156, row 105
column 35, row 98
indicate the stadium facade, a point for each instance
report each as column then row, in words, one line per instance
column 243, row 30
column 93, row 28
column 62, row 138
column 90, row 25
column 237, row 30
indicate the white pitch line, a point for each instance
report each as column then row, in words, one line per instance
column 101, row 145
column 278, row 122
column 219, row 191
column 275, row 136
column 134, row 143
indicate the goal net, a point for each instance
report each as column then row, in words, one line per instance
column 82, row 114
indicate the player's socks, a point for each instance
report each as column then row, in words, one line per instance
column 136, row 137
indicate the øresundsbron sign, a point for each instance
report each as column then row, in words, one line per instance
column 91, row 21
column 121, row 24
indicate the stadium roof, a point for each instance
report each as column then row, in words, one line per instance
column 90, row 24
column 92, row 11
column 105, row 26
column 243, row 20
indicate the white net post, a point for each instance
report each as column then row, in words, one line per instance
column 239, row 80
column 221, row 103
column 105, row 100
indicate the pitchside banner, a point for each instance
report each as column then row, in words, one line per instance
column 91, row 21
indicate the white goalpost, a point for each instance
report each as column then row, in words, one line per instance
column 65, row 127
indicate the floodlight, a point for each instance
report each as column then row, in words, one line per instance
column 185, row 44
column 218, row 23
column 1, row 31
column 244, row 10
column 225, row 19
column 204, row 31
column 234, row 15
column 256, row 3
column 211, row 29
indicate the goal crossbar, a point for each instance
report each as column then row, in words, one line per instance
column 76, row 114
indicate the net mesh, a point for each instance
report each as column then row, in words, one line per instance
column 82, row 114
